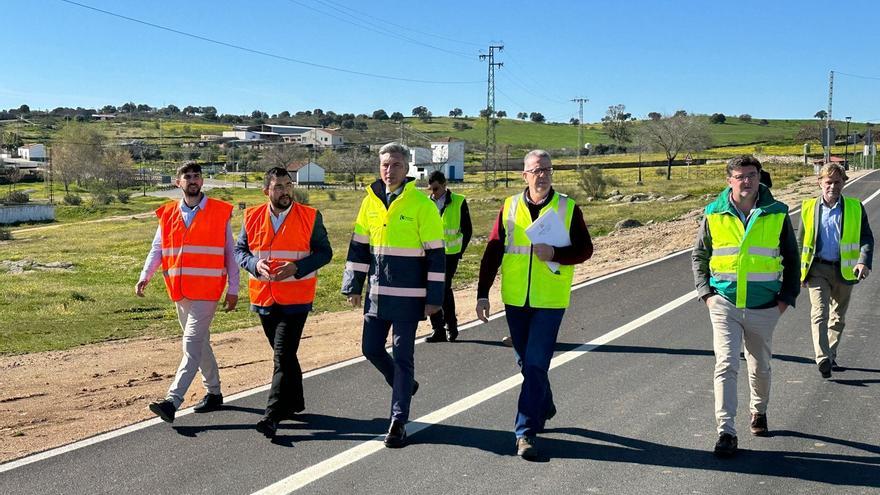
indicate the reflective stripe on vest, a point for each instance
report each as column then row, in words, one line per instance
column 746, row 265
column 523, row 276
column 193, row 261
column 452, row 235
column 290, row 243
column 848, row 244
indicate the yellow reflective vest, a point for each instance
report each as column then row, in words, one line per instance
column 850, row 236
column 525, row 278
column 452, row 236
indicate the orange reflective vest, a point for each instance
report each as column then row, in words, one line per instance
column 193, row 261
column 291, row 243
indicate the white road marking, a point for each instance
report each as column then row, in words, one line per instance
column 350, row 456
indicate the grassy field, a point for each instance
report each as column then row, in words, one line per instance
column 95, row 302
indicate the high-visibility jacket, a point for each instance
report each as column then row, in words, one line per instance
column 290, row 243
column 452, row 236
column 523, row 276
column 850, row 236
column 746, row 263
column 193, row 260
column 400, row 249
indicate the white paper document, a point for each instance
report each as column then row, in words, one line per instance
column 549, row 229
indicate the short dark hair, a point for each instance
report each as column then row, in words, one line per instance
column 273, row 173
column 189, row 166
column 437, row 176
column 741, row 161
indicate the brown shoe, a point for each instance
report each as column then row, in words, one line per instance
column 758, row 425
column 525, row 448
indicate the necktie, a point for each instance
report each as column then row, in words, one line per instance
column 391, row 197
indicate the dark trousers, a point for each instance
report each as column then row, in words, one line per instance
column 399, row 371
column 447, row 314
column 533, row 332
column 286, row 392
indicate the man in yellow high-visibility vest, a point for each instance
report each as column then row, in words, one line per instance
column 745, row 265
column 837, row 248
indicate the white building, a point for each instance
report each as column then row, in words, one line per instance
column 323, row 138
column 307, row 172
column 446, row 155
column 32, row 152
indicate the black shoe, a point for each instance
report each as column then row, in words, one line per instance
column 726, row 445
column 211, row 402
column 825, row 368
column 267, row 427
column 452, row 334
column 415, row 388
column 396, row 437
column 758, row 425
column 551, row 411
column 836, row 367
column 437, row 336
column 525, row 448
column 293, row 413
column 164, row 409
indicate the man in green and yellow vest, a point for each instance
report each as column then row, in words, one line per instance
column 397, row 245
column 837, row 248
column 281, row 245
column 457, row 232
column 745, row 264
column 535, row 287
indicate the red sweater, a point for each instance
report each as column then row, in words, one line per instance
column 580, row 250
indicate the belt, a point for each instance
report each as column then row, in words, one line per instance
column 826, row 262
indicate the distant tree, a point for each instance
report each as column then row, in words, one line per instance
column 256, row 114
column 380, row 114
column 353, row 162
column 745, row 117
column 654, row 116
column 144, row 108
column 501, row 114
column 617, row 125
column 283, row 154
column 717, row 118
column 190, row 110
column 763, row 122
column 284, row 115
column 674, row 134
column 172, row 110
column 108, row 109
column 317, row 112
column 24, row 109
column 484, row 113
column 360, row 125
column 10, row 140
column 348, row 124
column 455, row 113
column 536, row 117
column 426, row 117
column 77, row 154
column 419, row 111
column 128, row 107
column 821, row 115
column 574, row 121
column 117, row 168
column 522, row 115
column 209, row 113
column 397, row 116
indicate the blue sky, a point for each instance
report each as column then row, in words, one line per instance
column 768, row 59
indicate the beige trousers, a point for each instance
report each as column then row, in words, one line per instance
column 829, row 299
column 731, row 328
column 195, row 320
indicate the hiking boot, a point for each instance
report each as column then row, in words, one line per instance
column 758, row 425
column 525, row 448
column 164, row 409
column 210, row 402
column 726, row 445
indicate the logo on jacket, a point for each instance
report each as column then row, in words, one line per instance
column 406, row 218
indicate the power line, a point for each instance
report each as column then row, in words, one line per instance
column 857, row 76
column 359, row 13
column 376, row 29
column 260, row 52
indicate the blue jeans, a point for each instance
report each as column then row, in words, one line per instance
column 533, row 332
column 399, row 371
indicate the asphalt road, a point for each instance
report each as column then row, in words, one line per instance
column 635, row 414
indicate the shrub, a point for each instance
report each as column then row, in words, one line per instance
column 717, row 118
column 102, row 198
column 593, row 182
column 745, row 117
column 332, row 195
column 764, row 122
column 72, row 199
column 123, row 196
column 5, row 235
column 660, row 171
column 17, row 197
column 301, row 196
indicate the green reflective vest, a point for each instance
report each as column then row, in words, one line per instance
column 452, row 236
column 746, row 263
column 849, row 237
column 523, row 275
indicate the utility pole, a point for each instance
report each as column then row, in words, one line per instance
column 828, row 119
column 51, row 184
column 580, row 101
column 490, row 110
column 846, row 145
column 402, row 139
